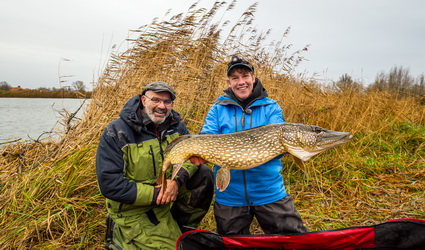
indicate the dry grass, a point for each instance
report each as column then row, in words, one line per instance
column 49, row 192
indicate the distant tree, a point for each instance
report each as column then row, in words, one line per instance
column 79, row 86
column 418, row 88
column 346, row 83
column 380, row 83
column 398, row 81
column 4, row 86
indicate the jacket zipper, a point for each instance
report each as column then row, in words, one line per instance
column 153, row 159
column 243, row 171
column 161, row 136
column 246, row 191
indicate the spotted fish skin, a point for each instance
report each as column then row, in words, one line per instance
column 250, row 148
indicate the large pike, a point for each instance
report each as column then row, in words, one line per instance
column 250, row 148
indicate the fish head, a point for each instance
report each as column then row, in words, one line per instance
column 305, row 141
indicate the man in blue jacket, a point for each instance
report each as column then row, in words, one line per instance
column 259, row 191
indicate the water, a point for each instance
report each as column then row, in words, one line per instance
column 27, row 118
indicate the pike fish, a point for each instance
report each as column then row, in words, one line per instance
column 250, row 148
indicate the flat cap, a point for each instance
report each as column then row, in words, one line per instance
column 160, row 86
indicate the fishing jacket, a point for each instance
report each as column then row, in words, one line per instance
column 256, row 186
column 129, row 159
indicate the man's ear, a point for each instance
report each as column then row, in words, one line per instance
column 143, row 100
column 228, row 81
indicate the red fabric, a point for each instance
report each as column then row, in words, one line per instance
column 409, row 219
column 340, row 239
column 393, row 234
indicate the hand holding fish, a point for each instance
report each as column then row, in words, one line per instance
column 168, row 194
column 197, row 160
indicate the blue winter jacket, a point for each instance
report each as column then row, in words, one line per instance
column 256, row 186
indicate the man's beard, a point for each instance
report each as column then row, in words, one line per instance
column 153, row 118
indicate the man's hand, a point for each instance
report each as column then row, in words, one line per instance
column 170, row 194
column 197, row 160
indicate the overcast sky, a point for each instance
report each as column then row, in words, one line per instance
column 357, row 37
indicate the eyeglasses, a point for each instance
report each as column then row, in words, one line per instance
column 157, row 101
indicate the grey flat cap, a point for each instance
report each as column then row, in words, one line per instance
column 160, row 86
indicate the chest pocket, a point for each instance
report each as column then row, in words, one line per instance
column 143, row 161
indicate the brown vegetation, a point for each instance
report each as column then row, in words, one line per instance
column 40, row 93
column 48, row 191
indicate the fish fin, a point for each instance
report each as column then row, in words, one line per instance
column 301, row 154
column 163, row 172
column 299, row 162
column 176, row 141
column 222, row 179
column 164, row 185
column 176, row 168
column 160, row 178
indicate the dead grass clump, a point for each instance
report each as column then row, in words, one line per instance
column 49, row 192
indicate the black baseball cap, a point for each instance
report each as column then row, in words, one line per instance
column 236, row 61
column 160, row 86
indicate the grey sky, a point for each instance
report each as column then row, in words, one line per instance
column 357, row 37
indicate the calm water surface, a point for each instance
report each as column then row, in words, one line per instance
column 25, row 118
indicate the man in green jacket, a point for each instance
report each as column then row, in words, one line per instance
column 128, row 161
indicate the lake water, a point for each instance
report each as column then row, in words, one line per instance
column 25, row 118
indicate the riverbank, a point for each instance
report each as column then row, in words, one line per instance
column 46, row 94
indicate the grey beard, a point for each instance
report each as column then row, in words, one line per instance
column 152, row 117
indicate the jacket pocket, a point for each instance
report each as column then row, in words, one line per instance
column 140, row 161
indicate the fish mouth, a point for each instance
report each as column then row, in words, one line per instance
column 327, row 141
column 334, row 139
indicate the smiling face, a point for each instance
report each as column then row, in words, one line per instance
column 241, row 81
column 156, row 107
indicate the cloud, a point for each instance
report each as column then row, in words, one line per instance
column 358, row 37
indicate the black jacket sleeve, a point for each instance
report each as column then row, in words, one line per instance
column 109, row 169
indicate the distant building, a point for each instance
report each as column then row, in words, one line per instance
column 18, row 89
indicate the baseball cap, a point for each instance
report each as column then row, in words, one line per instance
column 236, row 61
column 160, row 86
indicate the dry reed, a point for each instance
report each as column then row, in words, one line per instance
column 49, row 192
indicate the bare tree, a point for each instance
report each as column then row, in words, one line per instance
column 4, row 86
column 79, row 86
column 398, row 81
column 419, row 87
column 346, row 83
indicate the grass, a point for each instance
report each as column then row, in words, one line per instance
column 49, row 192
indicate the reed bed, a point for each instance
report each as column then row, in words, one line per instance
column 49, row 193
